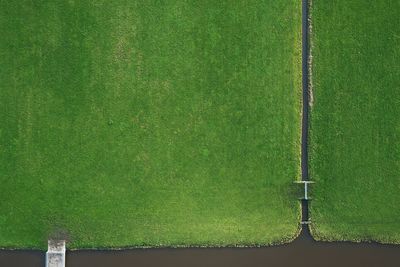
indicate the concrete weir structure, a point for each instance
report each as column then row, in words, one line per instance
column 55, row 255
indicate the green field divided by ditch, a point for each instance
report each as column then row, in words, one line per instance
column 355, row 120
column 155, row 123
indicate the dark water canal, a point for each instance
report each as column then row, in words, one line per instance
column 303, row 252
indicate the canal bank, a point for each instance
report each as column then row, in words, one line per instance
column 302, row 252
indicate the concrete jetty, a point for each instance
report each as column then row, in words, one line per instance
column 55, row 255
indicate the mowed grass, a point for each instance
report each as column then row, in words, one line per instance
column 355, row 121
column 155, row 123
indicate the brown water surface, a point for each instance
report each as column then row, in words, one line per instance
column 303, row 252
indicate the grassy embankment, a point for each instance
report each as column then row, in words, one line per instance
column 170, row 123
column 355, row 121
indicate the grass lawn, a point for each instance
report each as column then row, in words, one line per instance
column 355, row 120
column 155, row 123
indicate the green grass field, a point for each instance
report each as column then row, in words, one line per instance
column 355, row 120
column 155, row 123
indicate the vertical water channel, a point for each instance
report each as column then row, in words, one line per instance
column 305, row 109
